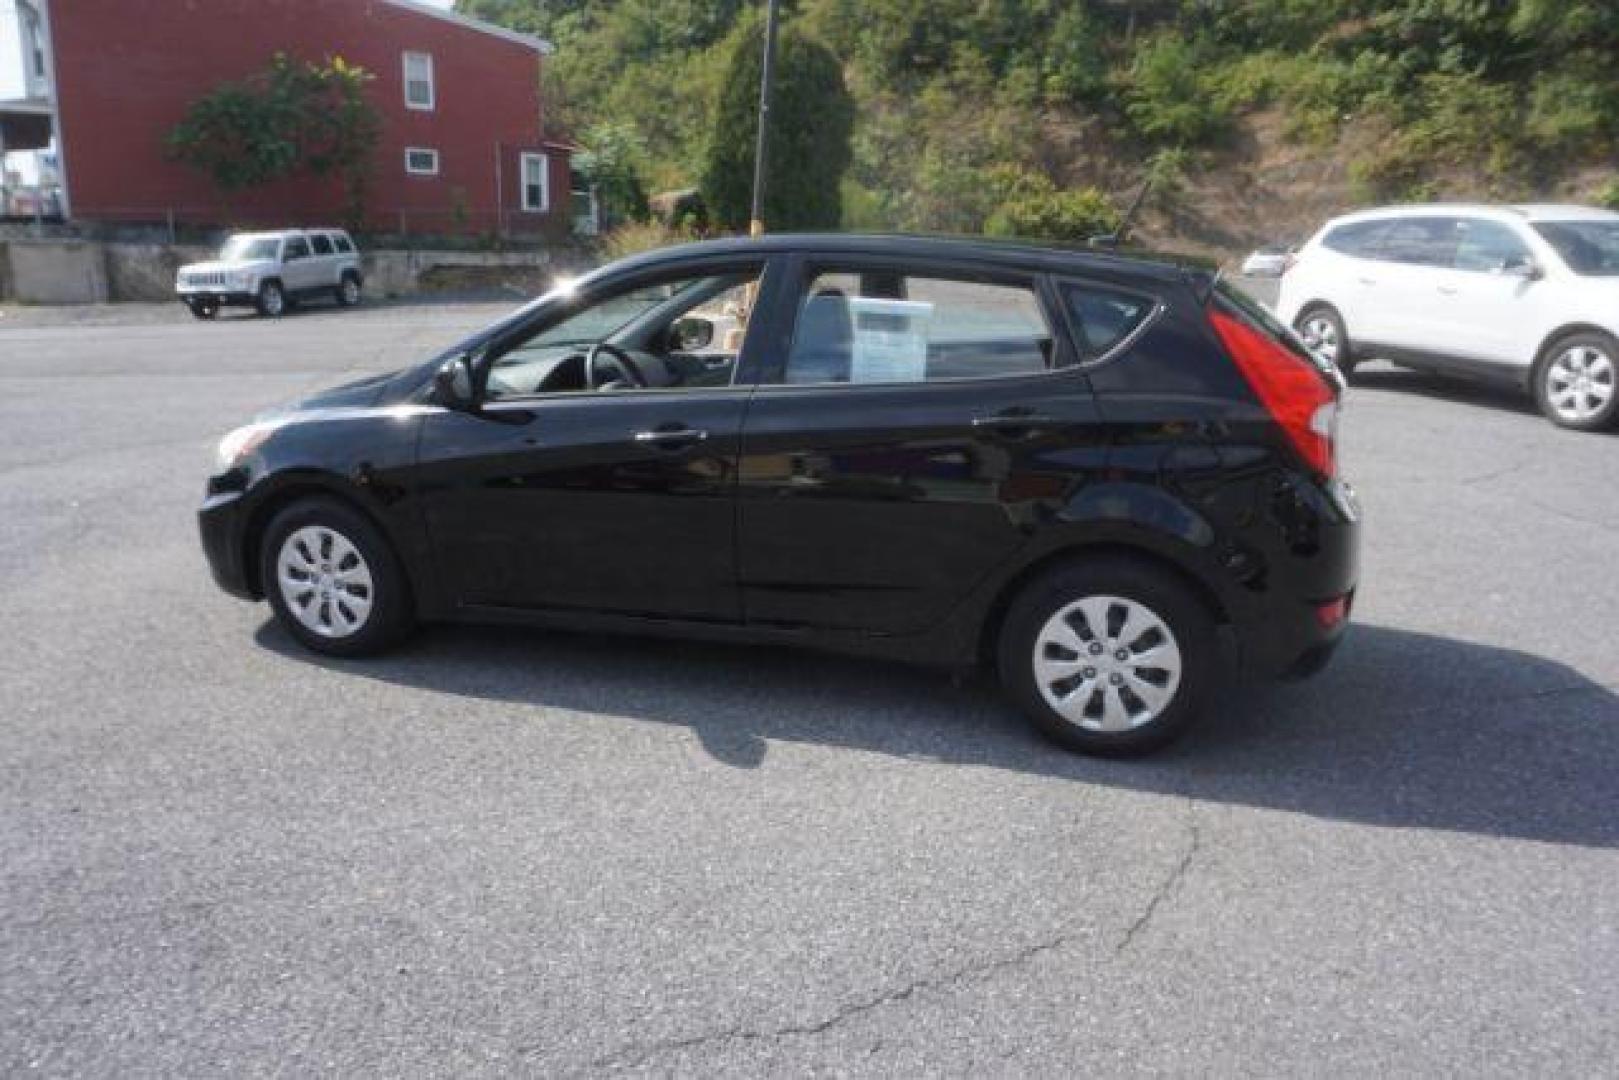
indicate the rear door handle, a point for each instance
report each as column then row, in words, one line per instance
column 671, row 436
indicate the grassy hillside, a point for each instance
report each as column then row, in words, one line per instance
column 1255, row 117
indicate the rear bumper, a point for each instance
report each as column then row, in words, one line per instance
column 220, row 521
column 1286, row 624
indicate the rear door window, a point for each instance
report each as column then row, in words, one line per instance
column 1104, row 317
column 888, row 326
column 1426, row 241
column 323, row 244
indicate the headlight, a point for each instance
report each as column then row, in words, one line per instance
column 240, row 443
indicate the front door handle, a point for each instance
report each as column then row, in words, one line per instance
column 1013, row 421
column 670, row 437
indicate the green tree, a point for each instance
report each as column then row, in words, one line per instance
column 293, row 116
column 811, row 123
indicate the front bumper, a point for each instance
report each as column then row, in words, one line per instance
column 222, row 297
column 220, row 521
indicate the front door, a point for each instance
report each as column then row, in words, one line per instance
column 1488, row 299
column 608, row 488
column 893, row 457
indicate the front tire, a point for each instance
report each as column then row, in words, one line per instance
column 272, row 300
column 1109, row 656
column 203, row 309
column 1577, row 382
column 333, row 580
column 348, row 291
column 1324, row 333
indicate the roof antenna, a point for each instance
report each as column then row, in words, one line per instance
column 1111, row 241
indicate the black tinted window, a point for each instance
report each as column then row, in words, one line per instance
column 1357, row 238
column 1589, row 247
column 1420, row 241
column 343, row 244
column 1104, row 317
column 323, row 246
column 297, row 248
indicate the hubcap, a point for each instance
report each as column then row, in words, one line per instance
column 325, row 581
column 1107, row 663
column 1580, row 382
column 351, row 290
column 1321, row 336
column 272, row 300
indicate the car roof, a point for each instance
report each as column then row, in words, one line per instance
column 1013, row 254
column 1525, row 212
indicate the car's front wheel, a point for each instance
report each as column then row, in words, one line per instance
column 348, row 291
column 1577, row 384
column 203, row 309
column 332, row 579
column 1108, row 656
column 272, row 300
column 1323, row 332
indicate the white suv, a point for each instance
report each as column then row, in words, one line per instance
column 271, row 270
column 1524, row 295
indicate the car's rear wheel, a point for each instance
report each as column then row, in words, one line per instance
column 1110, row 656
column 1323, row 331
column 348, row 290
column 332, row 579
column 203, row 309
column 1577, row 382
column 272, row 300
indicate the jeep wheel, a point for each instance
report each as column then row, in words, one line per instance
column 348, row 290
column 203, row 309
column 272, row 301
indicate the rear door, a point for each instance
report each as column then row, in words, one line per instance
column 324, row 261
column 300, row 270
column 901, row 444
column 1414, row 265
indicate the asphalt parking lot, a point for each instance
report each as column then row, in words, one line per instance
column 500, row 852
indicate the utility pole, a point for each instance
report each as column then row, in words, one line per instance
column 761, row 148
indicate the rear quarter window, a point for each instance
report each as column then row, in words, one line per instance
column 1104, row 317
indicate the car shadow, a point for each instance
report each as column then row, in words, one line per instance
column 1404, row 729
column 1386, row 376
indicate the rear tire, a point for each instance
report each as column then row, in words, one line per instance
column 1577, row 382
column 333, row 580
column 272, row 300
column 1110, row 656
column 1323, row 331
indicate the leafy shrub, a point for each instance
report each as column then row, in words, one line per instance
column 639, row 236
column 1037, row 210
column 1167, row 93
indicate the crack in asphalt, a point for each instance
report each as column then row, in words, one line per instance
column 631, row 1057
column 1172, row 881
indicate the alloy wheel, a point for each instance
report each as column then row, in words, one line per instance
column 1107, row 663
column 1580, row 382
column 325, row 581
column 1320, row 334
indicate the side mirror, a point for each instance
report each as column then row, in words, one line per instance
column 452, row 384
column 692, row 333
column 1523, row 267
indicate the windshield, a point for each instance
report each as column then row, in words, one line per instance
column 244, row 248
column 1588, row 247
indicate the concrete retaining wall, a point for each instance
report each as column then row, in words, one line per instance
column 46, row 271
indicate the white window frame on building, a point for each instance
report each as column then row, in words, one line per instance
column 525, row 160
column 411, row 166
column 424, row 78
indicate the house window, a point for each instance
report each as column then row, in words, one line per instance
column 34, row 36
column 536, row 183
column 419, row 90
column 420, row 161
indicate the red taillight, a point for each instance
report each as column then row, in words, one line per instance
column 1331, row 613
column 1290, row 387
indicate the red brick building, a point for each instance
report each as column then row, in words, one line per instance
column 461, row 147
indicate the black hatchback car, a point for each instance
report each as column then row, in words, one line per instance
column 1075, row 467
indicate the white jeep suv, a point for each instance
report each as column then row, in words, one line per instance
column 271, row 270
column 1522, row 295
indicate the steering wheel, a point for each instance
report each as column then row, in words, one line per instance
column 628, row 370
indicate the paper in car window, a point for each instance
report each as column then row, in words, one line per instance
column 890, row 340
